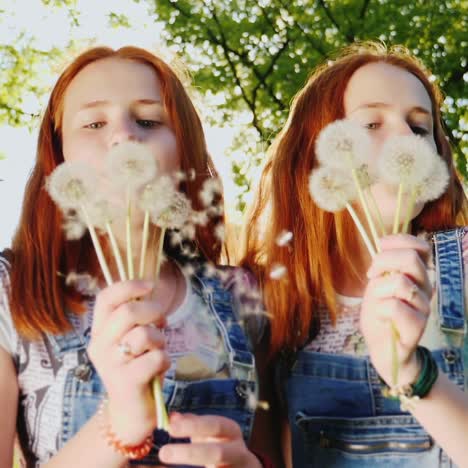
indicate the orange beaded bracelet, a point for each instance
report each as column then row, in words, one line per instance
column 133, row 452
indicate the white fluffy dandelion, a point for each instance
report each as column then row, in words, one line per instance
column 343, row 143
column 211, row 189
column 405, row 161
column 71, row 185
column 284, row 238
column 331, row 189
column 433, row 186
column 405, row 158
column 278, row 271
column 130, row 165
column 334, row 190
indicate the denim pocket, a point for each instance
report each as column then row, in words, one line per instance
column 365, row 442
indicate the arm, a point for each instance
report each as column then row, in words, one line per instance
column 9, row 403
column 130, row 412
column 403, row 298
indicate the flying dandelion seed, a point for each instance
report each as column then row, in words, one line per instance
column 284, row 238
column 278, row 271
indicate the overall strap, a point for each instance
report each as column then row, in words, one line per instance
column 221, row 302
column 449, row 265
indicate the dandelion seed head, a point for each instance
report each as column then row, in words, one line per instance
column 433, row 186
column 101, row 212
column 211, row 190
column 365, row 177
column 343, row 144
column 130, row 165
column 71, row 184
column 405, row 159
column 331, row 189
column 284, row 238
column 74, row 228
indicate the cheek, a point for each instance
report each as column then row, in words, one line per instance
column 166, row 152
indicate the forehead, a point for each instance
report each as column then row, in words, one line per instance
column 382, row 82
column 112, row 79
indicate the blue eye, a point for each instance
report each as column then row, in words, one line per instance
column 419, row 130
column 95, row 125
column 146, row 123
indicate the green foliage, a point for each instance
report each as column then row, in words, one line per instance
column 117, row 21
column 260, row 52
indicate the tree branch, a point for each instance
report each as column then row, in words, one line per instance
column 362, row 13
column 347, row 36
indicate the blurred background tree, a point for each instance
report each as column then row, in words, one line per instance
column 248, row 58
column 259, row 53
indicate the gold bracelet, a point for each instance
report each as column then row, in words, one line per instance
column 133, row 452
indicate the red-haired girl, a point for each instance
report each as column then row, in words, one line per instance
column 331, row 313
column 62, row 352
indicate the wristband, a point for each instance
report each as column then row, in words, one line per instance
column 133, row 452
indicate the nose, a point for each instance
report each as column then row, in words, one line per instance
column 402, row 128
column 122, row 131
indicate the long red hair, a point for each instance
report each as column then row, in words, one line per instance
column 320, row 238
column 40, row 252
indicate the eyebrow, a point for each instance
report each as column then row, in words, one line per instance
column 99, row 103
column 377, row 105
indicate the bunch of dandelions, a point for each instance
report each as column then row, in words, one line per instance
column 409, row 162
column 344, row 145
column 72, row 186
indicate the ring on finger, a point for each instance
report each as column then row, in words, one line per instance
column 125, row 350
column 413, row 291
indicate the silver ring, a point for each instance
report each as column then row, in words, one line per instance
column 125, row 350
column 413, row 291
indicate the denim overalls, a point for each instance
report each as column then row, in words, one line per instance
column 337, row 414
column 227, row 397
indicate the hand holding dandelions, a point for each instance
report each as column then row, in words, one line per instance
column 216, row 441
column 398, row 294
column 128, row 353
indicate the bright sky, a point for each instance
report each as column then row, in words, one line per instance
column 51, row 27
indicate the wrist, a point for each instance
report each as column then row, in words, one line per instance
column 421, row 385
column 130, row 427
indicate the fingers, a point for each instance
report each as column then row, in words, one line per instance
column 215, row 441
column 399, row 286
column 142, row 369
column 141, row 339
column 228, row 454
column 130, row 315
column 406, row 241
column 409, row 322
column 115, row 295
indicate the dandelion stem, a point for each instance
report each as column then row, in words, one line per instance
column 409, row 209
column 97, row 248
column 361, row 229
column 365, row 207
column 128, row 225
column 144, row 244
column 396, row 220
column 159, row 253
column 116, row 252
column 162, row 420
column 395, row 366
column 377, row 212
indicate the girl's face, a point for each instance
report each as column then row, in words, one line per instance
column 112, row 101
column 388, row 101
